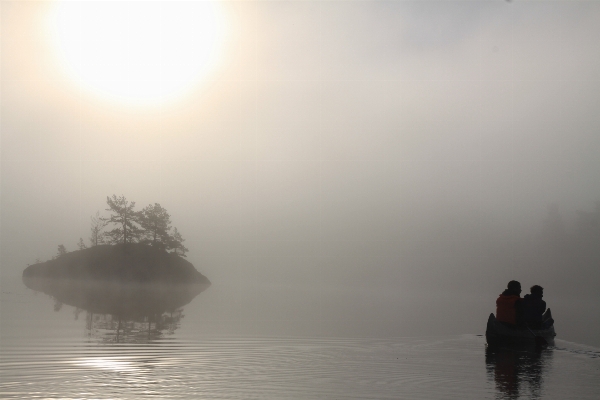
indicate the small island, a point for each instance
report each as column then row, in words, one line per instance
column 136, row 269
column 124, row 263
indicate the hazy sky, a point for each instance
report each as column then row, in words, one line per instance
column 346, row 143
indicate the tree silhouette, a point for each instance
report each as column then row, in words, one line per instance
column 61, row 251
column 98, row 224
column 80, row 244
column 156, row 223
column 176, row 243
column 126, row 219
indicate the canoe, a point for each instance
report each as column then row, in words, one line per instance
column 498, row 333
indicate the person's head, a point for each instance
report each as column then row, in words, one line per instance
column 514, row 286
column 537, row 290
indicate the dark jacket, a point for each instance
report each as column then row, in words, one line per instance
column 509, row 308
column 533, row 309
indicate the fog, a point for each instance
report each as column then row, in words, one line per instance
column 347, row 168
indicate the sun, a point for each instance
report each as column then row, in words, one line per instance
column 138, row 53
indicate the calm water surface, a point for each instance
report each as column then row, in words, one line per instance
column 76, row 355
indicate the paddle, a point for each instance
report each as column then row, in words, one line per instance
column 539, row 341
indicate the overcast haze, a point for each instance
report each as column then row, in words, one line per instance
column 404, row 155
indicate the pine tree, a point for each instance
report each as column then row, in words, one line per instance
column 156, row 223
column 176, row 243
column 80, row 244
column 126, row 219
column 61, row 251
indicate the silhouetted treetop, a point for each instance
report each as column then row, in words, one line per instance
column 61, row 250
column 151, row 226
column 176, row 243
column 156, row 223
column 97, row 225
column 125, row 217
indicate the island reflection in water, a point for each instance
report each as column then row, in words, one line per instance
column 112, row 328
column 517, row 370
column 121, row 312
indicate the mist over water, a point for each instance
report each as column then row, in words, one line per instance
column 202, row 351
column 358, row 181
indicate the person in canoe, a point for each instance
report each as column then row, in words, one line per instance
column 534, row 308
column 509, row 306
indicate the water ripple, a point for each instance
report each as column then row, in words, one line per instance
column 255, row 368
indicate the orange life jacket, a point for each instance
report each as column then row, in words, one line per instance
column 506, row 310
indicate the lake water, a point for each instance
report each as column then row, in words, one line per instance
column 71, row 354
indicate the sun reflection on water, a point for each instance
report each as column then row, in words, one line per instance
column 106, row 363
